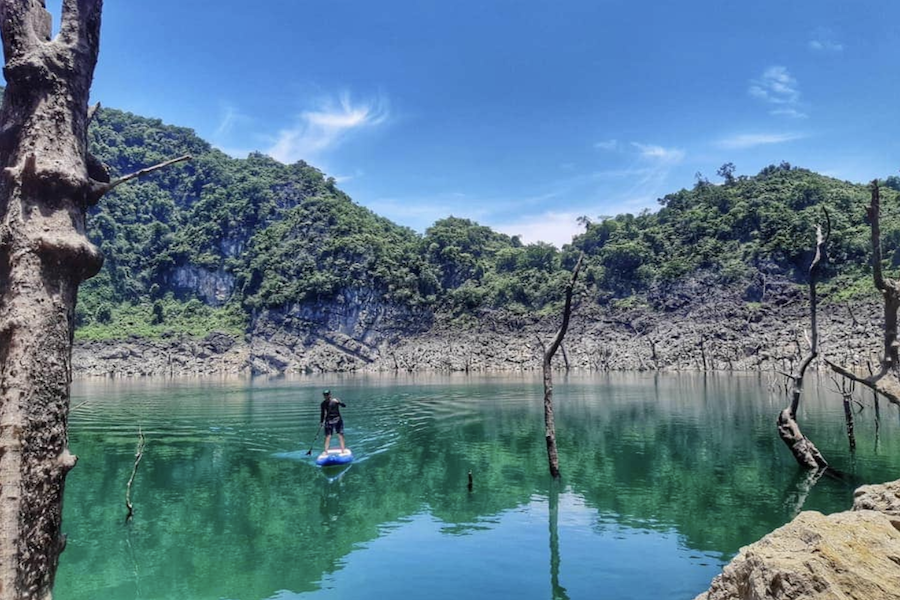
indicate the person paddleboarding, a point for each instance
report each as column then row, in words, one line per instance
column 331, row 420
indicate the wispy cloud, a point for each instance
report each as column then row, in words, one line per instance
column 555, row 228
column 230, row 116
column 320, row 130
column 780, row 90
column 607, row 145
column 823, row 40
column 345, row 178
column 751, row 140
column 660, row 154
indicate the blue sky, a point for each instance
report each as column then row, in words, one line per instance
column 519, row 114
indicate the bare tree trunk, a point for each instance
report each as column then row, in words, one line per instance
column 549, row 425
column 44, row 255
column 47, row 184
column 877, row 418
column 886, row 381
column 845, row 387
column 805, row 452
column 848, row 417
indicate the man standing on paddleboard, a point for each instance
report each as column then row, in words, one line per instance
column 331, row 419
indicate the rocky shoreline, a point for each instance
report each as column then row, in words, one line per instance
column 721, row 332
column 853, row 555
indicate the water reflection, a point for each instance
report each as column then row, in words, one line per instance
column 679, row 471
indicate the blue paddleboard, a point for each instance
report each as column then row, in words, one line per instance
column 334, row 457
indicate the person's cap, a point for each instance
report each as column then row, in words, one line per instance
column 326, row 392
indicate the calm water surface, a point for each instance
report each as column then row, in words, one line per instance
column 664, row 479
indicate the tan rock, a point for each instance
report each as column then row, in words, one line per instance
column 844, row 556
column 884, row 498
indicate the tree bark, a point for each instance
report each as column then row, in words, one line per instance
column 549, row 424
column 48, row 181
column 44, row 256
column 804, row 451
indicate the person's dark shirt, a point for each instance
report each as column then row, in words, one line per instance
column 331, row 412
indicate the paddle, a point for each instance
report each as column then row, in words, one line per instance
column 308, row 452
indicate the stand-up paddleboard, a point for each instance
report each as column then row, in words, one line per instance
column 334, row 457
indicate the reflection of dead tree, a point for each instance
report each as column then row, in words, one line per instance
column 559, row 592
column 886, row 381
column 805, row 483
column 138, row 455
column 804, row 451
column 549, row 425
column 877, row 406
column 845, row 388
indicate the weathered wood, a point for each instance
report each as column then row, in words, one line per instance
column 44, row 255
column 138, row 455
column 804, row 451
column 549, row 424
column 47, row 181
column 885, row 381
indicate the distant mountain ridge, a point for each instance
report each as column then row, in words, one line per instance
column 229, row 244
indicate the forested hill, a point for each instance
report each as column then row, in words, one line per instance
column 219, row 241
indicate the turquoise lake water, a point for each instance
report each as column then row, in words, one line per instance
column 665, row 477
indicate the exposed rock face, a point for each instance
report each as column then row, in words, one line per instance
column 845, row 556
column 216, row 354
column 351, row 333
column 358, row 331
column 213, row 286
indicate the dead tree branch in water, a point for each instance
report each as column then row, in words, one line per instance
column 805, row 452
column 549, row 425
column 845, row 387
column 138, row 455
column 886, row 381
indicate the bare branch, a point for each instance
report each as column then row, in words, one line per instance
column 567, row 311
column 813, row 319
column 783, row 373
column 99, row 189
column 138, row 455
column 885, row 386
column 889, row 387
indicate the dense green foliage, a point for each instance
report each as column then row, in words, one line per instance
column 236, row 236
column 738, row 229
